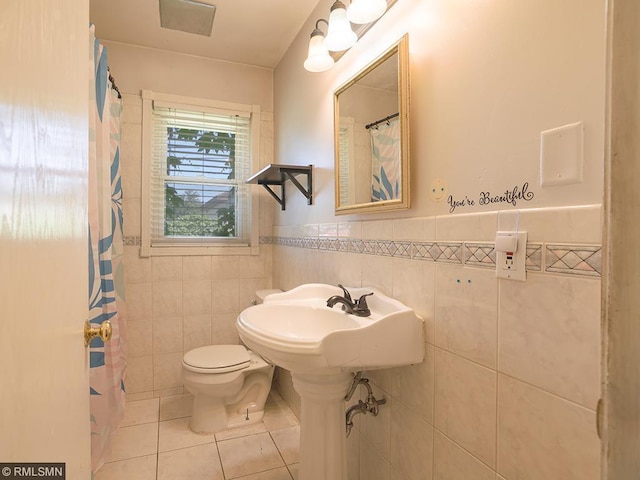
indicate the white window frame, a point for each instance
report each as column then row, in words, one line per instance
column 212, row 247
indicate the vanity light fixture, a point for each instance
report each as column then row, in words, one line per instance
column 366, row 11
column 340, row 36
column 318, row 59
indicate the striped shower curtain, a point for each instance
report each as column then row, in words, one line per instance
column 106, row 279
column 385, row 161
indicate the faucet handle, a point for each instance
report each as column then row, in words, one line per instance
column 361, row 303
column 347, row 295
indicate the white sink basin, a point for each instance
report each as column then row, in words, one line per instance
column 297, row 331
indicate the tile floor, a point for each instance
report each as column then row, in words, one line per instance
column 154, row 442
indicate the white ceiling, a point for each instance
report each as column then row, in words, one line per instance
column 253, row 32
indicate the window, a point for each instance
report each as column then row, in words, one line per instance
column 197, row 155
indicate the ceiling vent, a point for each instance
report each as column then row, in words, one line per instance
column 187, row 16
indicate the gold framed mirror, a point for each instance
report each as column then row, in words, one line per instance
column 371, row 136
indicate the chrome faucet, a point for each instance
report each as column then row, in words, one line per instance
column 359, row 307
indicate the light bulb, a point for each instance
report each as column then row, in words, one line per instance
column 339, row 34
column 366, row 11
column 318, row 58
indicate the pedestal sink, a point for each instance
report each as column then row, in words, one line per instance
column 323, row 347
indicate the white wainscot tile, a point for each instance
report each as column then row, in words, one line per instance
column 409, row 229
column 373, row 466
column 550, row 335
column 167, row 335
column 563, row 225
column 466, row 312
column 197, row 331
column 196, row 268
column 167, row 299
column 139, row 374
column 166, row 269
column 413, row 385
column 454, row 463
column 413, row 285
column 475, row 227
column 377, row 229
column 167, row 370
column 542, row 436
column 411, row 444
column 139, row 301
column 196, row 296
column 465, row 404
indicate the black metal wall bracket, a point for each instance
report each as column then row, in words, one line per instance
column 277, row 174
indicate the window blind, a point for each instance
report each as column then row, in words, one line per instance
column 200, row 161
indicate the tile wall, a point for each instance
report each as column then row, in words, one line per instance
column 179, row 303
column 511, row 378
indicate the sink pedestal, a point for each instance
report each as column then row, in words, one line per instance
column 322, row 426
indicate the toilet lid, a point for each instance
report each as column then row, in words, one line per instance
column 219, row 358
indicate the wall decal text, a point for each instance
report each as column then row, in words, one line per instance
column 509, row 196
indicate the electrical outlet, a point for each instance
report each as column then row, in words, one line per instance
column 511, row 255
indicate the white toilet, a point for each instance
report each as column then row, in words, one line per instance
column 229, row 383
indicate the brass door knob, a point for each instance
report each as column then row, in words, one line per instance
column 104, row 331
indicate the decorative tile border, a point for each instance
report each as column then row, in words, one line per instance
column 131, row 241
column 422, row 251
column 576, row 260
column 585, row 260
column 534, row 257
column 480, row 254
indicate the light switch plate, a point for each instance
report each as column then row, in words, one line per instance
column 561, row 155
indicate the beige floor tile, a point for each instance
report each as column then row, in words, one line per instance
column 288, row 442
column 240, row 432
column 277, row 413
column 293, row 470
column 248, row 455
column 134, row 441
column 176, row 406
column 140, row 412
column 276, row 474
column 194, row 463
column 175, row 434
column 139, row 468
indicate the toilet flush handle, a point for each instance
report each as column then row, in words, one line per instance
column 104, row 331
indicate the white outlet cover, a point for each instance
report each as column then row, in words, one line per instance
column 562, row 155
column 514, row 266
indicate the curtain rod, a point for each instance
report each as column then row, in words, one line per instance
column 378, row 122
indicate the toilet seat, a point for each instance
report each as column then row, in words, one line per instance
column 218, row 358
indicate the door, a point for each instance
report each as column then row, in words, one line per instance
column 44, row 374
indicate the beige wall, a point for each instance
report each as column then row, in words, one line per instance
column 486, row 79
column 179, row 303
column 510, row 383
column 137, row 68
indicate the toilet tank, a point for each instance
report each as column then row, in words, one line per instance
column 259, row 296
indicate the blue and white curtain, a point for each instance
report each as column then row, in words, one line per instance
column 385, row 161
column 106, row 278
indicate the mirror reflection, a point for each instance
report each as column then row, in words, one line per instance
column 371, row 137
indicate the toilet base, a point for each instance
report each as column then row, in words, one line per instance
column 213, row 417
